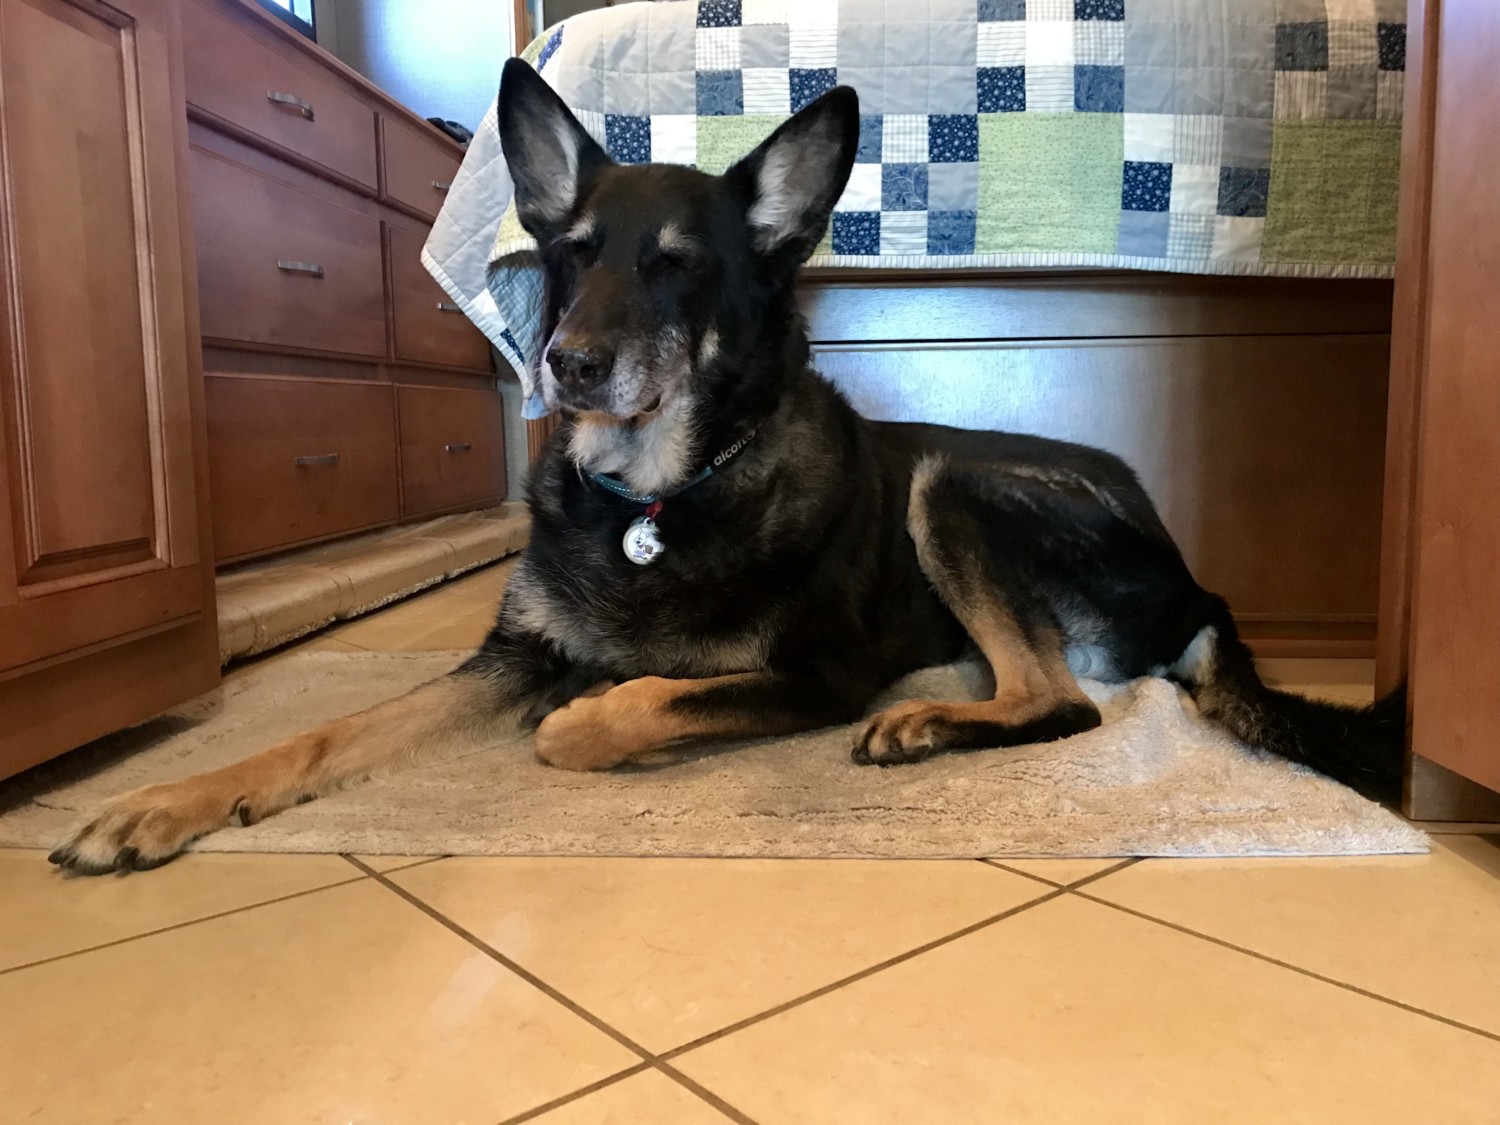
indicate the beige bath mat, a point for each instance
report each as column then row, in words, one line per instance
column 1154, row 780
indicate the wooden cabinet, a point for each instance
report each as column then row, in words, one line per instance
column 418, row 171
column 312, row 195
column 282, row 267
column 299, row 458
column 452, row 450
column 106, row 594
column 1441, row 574
column 430, row 328
column 262, row 87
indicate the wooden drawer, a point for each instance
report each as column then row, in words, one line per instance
column 417, row 171
column 279, row 267
column 429, row 327
column 452, row 448
column 239, row 75
column 292, row 460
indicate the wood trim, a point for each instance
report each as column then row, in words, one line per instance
column 1408, row 361
column 1434, row 792
column 538, row 432
column 76, row 700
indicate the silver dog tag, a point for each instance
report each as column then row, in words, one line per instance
column 642, row 543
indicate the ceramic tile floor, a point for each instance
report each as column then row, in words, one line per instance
column 290, row 989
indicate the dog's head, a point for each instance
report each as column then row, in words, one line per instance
column 661, row 279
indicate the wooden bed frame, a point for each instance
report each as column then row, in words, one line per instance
column 1253, row 408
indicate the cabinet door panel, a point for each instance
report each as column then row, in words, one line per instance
column 98, row 518
column 1455, row 678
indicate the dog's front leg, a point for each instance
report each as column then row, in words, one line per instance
column 481, row 702
column 600, row 731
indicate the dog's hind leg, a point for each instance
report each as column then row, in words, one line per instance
column 482, row 701
column 1037, row 698
column 597, row 732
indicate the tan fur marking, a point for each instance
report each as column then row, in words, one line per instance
column 597, row 732
column 437, row 720
column 1030, row 680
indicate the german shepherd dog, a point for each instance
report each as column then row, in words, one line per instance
column 824, row 556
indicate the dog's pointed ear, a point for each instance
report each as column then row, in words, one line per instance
column 798, row 173
column 550, row 155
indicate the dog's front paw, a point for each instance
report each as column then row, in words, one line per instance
column 581, row 737
column 144, row 829
column 907, row 732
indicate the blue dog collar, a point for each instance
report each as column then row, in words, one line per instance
column 720, row 459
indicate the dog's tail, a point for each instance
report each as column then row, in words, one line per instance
column 1362, row 747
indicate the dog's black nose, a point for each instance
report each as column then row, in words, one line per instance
column 579, row 369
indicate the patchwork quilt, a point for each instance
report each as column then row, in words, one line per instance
column 1192, row 136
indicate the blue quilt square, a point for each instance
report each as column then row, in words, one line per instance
column 1148, row 186
column 808, row 83
column 1243, row 192
column 1002, row 89
column 856, row 232
column 903, row 187
column 1390, row 40
column 952, row 138
column 1301, row 46
column 1099, row 89
column 628, row 139
column 992, row 10
column 550, row 48
column 1143, row 234
column 719, row 13
column 1098, row 9
column 721, row 93
column 514, row 346
column 951, row 232
column 871, row 139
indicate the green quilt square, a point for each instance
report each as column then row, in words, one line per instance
column 723, row 140
column 1333, row 193
column 1050, row 182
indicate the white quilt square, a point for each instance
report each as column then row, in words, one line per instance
column 1195, row 188
column 904, row 138
column 768, row 89
column 1001, row 43
column 1049, row 43
column 1148, row 137
column 863, row 190
column 763, row 11
column 1237, row 238
column 718, row 48
column 814, row 47
column 903, row 232
column 674, row 138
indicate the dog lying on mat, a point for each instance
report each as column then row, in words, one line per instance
column 721, row 547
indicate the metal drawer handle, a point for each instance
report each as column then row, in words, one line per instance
column 312, row 269
column 443, row 185
column 458, row 447
column 445, row 306
column 317, row 459
column 291, row 101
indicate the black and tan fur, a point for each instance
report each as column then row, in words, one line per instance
column 832, row 556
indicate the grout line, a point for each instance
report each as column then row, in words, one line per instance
column 1345, row 985
column 995, row 863
column 581, row 1092
column 853, row 978
column 360, row 867
column 1095, row 877
column 647, row 1056
column 706, row 1094
column 175, row 925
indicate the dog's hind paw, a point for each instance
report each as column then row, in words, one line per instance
column 145, row 829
